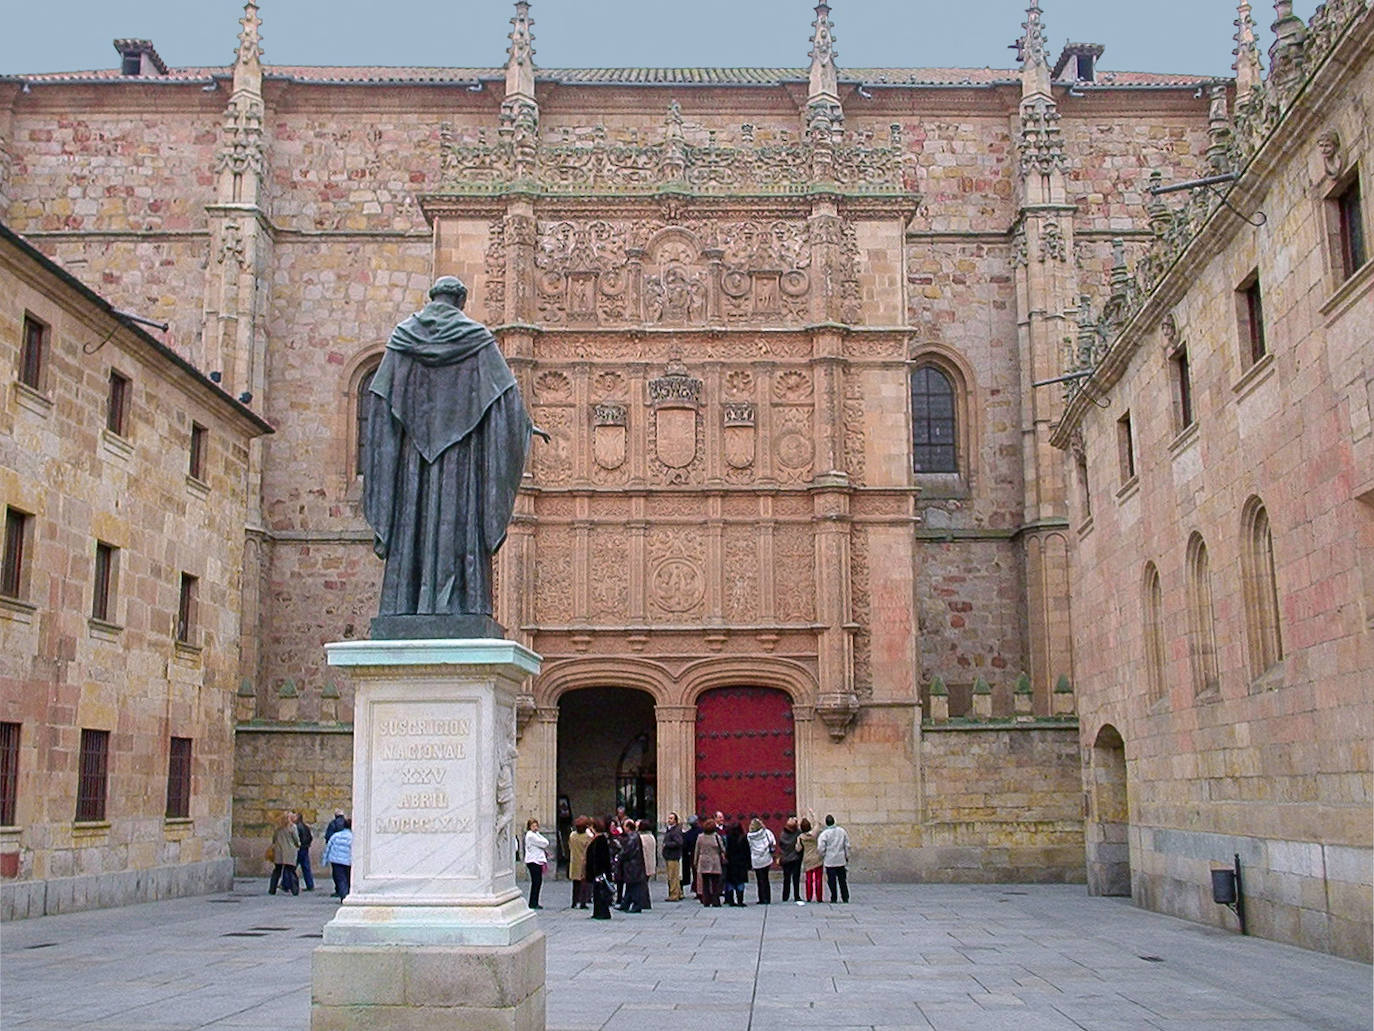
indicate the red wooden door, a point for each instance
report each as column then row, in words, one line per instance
column 746, row 763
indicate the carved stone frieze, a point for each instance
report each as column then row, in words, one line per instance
column 553, row 575
column 608, row 592
column 681, row 154
column 853, row 411
column 653, row 272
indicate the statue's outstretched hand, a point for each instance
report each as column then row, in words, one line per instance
column 379, row 548
column 541, row 433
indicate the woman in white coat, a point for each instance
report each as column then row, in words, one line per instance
column 536, row 860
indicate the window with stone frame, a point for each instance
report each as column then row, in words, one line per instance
column 1181, row 382
column 9, row 773
column 14, row 573
column 934, row 421
column 187, row 599
column 179, row 778
column 1156, row 655
column 1346, row 226
column 106, row 582
column 200, row 438
column 361, row 407
column 1250, row 319
column 33, row 352
column 117, row 404
column 1125, row 448
column 1202, row 631
column 92, row 787
column 1260, row 589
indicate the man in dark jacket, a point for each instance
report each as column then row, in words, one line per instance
column 673, row 839
column 335, row 824
column 303, row 853
column 689, row 849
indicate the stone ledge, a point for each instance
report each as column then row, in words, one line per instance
column 967, row 723
column 20, row 900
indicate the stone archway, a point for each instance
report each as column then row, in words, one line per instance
column 1107, row 831
column 607, row 751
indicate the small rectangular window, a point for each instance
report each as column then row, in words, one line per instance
column 9, row 773
column 117, row 408
column 1350, row 228
column 106, row 573
column 33, row 355
column 13, row 573
column 1250, row 314
column 1125, row 448
column 179, row 779
column 186, row 608
column 1181, row 376
column 94, row 775
column 199, row 437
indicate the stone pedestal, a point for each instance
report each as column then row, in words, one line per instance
column 435, row 933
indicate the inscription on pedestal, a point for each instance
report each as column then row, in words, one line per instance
column 424, row 789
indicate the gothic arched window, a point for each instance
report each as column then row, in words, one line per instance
column 1202, row 632
column 1260, row 587
column 934, row 429
column 360, row 410
column 1155, row 655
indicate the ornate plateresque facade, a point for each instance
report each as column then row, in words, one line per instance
column 720, row 290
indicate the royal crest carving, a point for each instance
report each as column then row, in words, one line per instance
column 610, row 423
column 738, row 433
column 676, row 400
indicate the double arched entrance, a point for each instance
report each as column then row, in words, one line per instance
column 734, row 751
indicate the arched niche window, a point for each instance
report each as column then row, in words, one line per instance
column 934, row 421
column 360, row 410
column 1155, row 655
column 1260, row 586
column 1202, row 634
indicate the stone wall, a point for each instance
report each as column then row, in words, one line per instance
column 304, row 767
column 63, row 671
column 1229, row 749
column 1002, row 802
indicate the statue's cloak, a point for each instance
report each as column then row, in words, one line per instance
column 447, row 437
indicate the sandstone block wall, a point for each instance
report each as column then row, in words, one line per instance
column 1271, row 763
column 62, row 671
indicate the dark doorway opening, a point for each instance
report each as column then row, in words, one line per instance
column 607, row 751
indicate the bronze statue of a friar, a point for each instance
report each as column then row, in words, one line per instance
column 447, row 437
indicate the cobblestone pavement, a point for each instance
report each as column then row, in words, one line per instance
column 941, row 957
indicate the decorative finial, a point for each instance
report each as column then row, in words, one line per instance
column 1247, row 66
column 1035, row 60
column 250, row 36
column 824, row 77
column 520, row 53
column 1286, row 52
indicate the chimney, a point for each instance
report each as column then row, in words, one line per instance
column 1080, row 59
column 139, row 57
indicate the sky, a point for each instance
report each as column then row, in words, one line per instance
column 1185, row 36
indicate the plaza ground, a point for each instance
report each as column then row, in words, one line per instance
column 941, row 957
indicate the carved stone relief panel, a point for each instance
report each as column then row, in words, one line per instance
column 738, row 434
column 741, row 574
column 553, row 461
column 794, row 560
column 553, row 575
column 853, row 409
column 608, row 587
column 676, row 581
column 675, row 426
column 794, row 445
column 863, row 639
column 610, row 442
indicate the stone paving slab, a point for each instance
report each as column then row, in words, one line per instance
column 909, row 957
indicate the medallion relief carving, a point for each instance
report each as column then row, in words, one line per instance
column 677, row 578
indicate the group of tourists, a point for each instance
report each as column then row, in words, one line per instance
column 612, row 860
column 289, row 854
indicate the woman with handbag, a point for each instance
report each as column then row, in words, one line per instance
column 599, row 871
column 763, row 849
column 708, row 862
column 285, row 844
